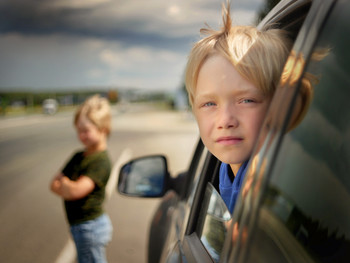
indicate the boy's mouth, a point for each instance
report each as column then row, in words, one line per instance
column 229, row 140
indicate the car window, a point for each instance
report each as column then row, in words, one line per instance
column 193, row 186
column 305, row 214
column 213, row 221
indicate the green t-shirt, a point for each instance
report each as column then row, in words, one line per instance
column 97, row 166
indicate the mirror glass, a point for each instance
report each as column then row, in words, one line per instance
column 143, row 177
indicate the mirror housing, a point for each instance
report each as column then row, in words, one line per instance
column 144, row 177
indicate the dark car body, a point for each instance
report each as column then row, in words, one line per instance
column 295, row 203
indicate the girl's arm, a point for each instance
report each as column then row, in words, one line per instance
column 55, row 185
column 72, row 190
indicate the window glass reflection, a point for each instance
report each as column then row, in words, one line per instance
column 213, row 223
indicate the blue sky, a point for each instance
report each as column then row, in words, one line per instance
column 109, row 43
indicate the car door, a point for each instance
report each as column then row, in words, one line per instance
column 297, row 208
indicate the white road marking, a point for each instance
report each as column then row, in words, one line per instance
column 68, row 253
column 112, row 182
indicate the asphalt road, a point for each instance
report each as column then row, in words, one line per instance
column 33, row 148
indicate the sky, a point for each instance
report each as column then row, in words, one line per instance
column 72, row 44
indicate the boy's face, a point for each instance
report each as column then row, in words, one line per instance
column 229, row 110
column 88, row 133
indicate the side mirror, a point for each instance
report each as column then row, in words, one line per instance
column 144, row 177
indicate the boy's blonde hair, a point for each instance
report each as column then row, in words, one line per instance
column 258, row 56
column 97, row 110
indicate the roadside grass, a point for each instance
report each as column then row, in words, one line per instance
column 20, row 111
column 17, row 111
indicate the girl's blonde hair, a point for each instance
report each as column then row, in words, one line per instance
column 97, row 110
column 258, row 56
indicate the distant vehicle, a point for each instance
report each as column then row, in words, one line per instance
column 50, row 106
column 296, row 206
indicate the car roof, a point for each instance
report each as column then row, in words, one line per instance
column 283, row 15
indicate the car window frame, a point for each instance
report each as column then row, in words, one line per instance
column 193, row 170
column 193, row 249
column 210, row 169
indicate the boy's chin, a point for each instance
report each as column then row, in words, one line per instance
column 229, row 159
column 229, row 155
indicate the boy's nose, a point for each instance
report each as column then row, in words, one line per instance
column 227, row 118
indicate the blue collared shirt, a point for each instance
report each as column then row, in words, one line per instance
column 229, row 190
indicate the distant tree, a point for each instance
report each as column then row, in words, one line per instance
column 269, row 4
column 113, row 96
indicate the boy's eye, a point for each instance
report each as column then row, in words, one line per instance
column 247, row 101
column 209, row 104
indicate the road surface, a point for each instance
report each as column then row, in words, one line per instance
column 34, row 148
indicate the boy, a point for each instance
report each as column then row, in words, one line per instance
column 231, row 76
column 83, row 179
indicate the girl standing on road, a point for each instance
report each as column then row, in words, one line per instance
column 82, row 182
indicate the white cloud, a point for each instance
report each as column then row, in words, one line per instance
column 95, row 73
column 111, row 58
column 173, row 10
column 141, row 67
